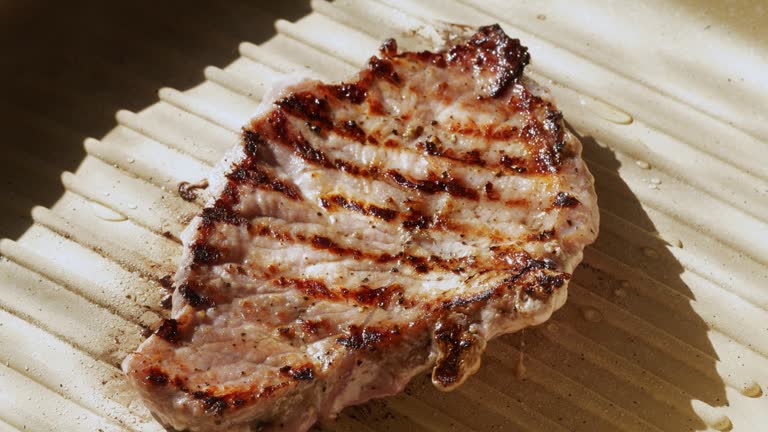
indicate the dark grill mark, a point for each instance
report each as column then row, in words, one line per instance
column 310, row 287
column 368, row 338
column 545, row 284
column 381, row 213
column 309, row 107
column 366, row 209
column 388, row 48
column 450, row 185
column 351, row 130
column 353, row 92
column 211, row 215
column 168, row 330
column 383, row 68
column 166, row 282
column 215, row 405
column 257, row 175
column 205, row 254
column 563, row 199
column 381, row 297
column 252, row 142
column 417, row 221
column 193, row 298
column 304, row 373
column 364, row 295
column 156, row 377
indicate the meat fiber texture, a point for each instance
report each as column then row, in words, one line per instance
column 367, row 231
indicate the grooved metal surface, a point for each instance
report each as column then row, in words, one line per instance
column 665, row 326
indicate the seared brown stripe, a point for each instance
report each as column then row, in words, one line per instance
column 330, row 201
column 433, row 185
column 260, row 177
column 307, row 106
column 364, row 295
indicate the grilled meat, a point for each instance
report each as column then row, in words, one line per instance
column 367, row 231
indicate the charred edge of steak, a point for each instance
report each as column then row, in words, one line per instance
column 388, row 48
column 169, row 331
column 166, row 282
column 156, row 376
column 353, row 92
column 544, row 284
column 206, row 254
column 307, row 106
column 564, row 199
column 456, row 346
column 193, row 298
column 252, row 171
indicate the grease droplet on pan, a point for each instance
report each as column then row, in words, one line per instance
column 752, row 389
column 643, row 164
column 106, row 213
column 606, row 110
column 591, row 314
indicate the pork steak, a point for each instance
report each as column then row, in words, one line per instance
column 367, row 231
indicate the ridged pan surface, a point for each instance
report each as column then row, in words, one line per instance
column 666, row 324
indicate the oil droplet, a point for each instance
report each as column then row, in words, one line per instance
column 713, row 417
column 133, row 206
column 643, row 164
column 131, row 160
column 650, row 253
column 591, row 314
column 620, row 292
column 653, row 187
column 106, row 213
column 541, row 17
column 656, row 181
column 606, row 110
column 721, row 423
column 752, row 389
